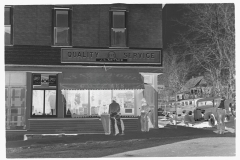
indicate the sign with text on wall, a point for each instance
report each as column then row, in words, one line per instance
column 130, row 56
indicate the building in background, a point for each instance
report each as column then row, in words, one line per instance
column 65, row 63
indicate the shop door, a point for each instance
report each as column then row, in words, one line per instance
column 15, row 103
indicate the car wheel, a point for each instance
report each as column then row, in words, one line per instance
column 227, row 118
column 212, row 121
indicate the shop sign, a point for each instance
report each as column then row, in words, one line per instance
column 36, row 79
column 131, row 56
column 44, row 80
column 52, row 80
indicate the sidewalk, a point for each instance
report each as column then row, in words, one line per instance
column 85, row 146
column 169, row 131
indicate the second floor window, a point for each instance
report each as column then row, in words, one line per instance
column 8, row 26
column 62, row 27
column 118, row 29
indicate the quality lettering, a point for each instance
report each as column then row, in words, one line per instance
column 82, row 55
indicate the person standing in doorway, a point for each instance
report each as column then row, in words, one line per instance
column 221, row 112
column 114, row 111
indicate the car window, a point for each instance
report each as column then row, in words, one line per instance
column 201, row 103
column 209, row 103
column 190, row 102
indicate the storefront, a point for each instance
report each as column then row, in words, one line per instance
column 72, row 98
column 64, row 69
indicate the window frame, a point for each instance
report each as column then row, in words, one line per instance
column 44, row 88
column 11, row 25
column 111, row 26
column 54, row 11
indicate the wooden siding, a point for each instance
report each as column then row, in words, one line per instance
column 78, row 125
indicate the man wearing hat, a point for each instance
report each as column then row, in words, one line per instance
column 114, row 111
column 221, row 112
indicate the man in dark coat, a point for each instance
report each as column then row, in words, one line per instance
column 221, row 112
column 114, row 110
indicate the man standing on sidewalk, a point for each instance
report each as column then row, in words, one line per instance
column 221, row 112
column 114, row 111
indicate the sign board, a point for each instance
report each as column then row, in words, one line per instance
column 44, row 80
column 130, row 56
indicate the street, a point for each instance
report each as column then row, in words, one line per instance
column 168, row 141
column 189, row 148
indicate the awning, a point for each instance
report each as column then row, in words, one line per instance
column 102, row 80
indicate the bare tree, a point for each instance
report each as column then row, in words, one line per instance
column 210, row 39
column 175, row 71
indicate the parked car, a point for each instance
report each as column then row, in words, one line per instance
column 160, row 112
column 206, row 109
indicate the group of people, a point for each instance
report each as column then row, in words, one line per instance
column 188, row 117
column 146, row 123
column 117, row 124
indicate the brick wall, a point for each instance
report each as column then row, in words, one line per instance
column 145, row 26
column 90, row 25
column 32, row 25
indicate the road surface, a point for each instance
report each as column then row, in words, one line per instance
column 214, row 146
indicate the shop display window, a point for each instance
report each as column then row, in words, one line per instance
column 76, row 103
column 44, row 95
column 100, row 101
column 94, row 103
column 44, row 102
column 125, row 98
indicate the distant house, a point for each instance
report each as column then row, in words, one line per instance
column 194, row 88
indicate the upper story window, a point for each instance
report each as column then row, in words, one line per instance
column 8, row 25
column 62, row 28
column 118, row 28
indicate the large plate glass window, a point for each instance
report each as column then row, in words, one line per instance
column 100, row 101
column 62, row 29
column 44, row 95
column 118, row 28
column 75, row 103
column 125, row 98
column 8, row 25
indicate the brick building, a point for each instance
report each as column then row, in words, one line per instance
column 65, row 63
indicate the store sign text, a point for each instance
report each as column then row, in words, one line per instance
column 74, row 55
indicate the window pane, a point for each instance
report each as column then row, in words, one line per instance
column 118, row 37
column 7, row 35
column 37, row 102
column 7, row 18
column 15, row 113
column 125, row 98
column 76, row 102
column 6, row 97
column 61, row 36
column 118, row 20
column 61, row 18
column 50, row 102
column 99, row 101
